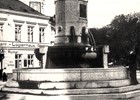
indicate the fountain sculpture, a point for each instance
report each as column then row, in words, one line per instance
column 72, row 48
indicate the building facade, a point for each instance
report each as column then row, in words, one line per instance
column 21, row 32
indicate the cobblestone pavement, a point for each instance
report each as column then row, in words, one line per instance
column 14, row 96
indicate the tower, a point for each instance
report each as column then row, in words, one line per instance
column 71, row 48
column 71, row 21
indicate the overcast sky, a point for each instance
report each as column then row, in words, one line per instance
column 101, row 12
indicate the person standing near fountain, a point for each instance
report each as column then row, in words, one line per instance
column 133, row 61
column 4, row 75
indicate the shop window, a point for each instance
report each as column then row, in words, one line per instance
column 83, row 11
column 30, row 33
column 18, row 61
column 41, row 34
column 17, row 32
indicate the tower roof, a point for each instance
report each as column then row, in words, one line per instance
column 17, row 5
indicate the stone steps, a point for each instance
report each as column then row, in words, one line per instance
column 72, row 84
column 69, row 85
column 84, row 85
column 130, row 92
column 125, row 93
column 124, row 89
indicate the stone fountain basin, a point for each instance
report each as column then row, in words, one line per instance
column 70, row 74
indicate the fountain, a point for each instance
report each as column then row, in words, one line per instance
column 72, row 48
column 76, row 69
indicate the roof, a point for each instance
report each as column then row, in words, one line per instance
column 17, row 5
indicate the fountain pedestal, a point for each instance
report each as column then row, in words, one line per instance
column 87, row 77
column 73, row 84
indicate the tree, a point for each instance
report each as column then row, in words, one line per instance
column 121, row 35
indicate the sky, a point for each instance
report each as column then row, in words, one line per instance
column 102, row 12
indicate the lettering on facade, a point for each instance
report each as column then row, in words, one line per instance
column 9, row 51
column 3, row 44
column 42, row 45
column 24, row 45
column 11, row 63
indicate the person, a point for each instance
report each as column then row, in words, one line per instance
column 133, row 60
column 4, row 75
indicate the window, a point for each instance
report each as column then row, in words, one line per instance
column 83, row 11
column 41, row 34
column 25, row 62
column 29, row 61
column 30, row 33
column 17, row 32
column 1, row 28
column 18, row 61
column 1, row 31
column 35, row 5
